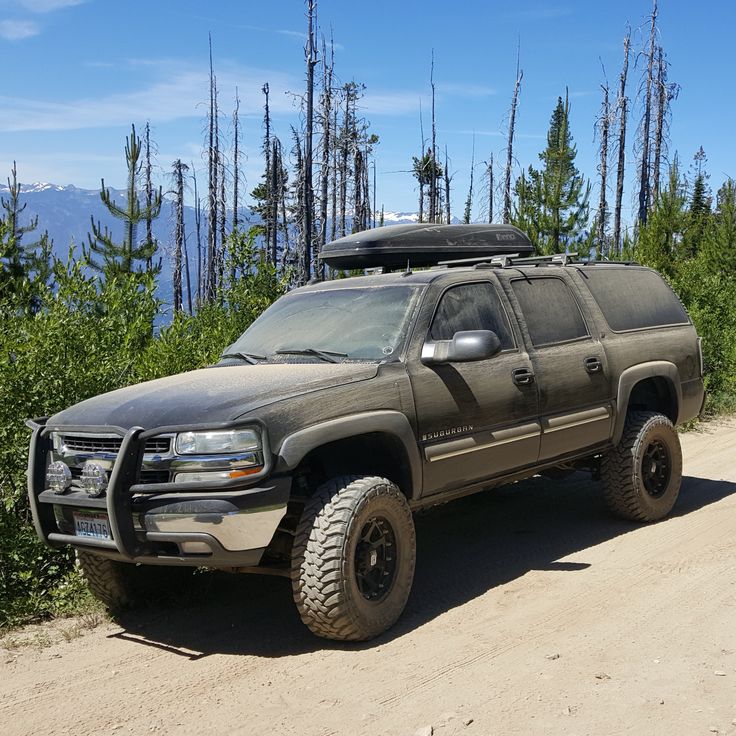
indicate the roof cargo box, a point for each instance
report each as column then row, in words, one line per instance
column 394, row 246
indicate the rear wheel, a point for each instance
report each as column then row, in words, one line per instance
column 641, row 476
column 353, row 558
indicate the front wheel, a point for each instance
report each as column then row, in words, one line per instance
column 641, row 476
column 353, row 558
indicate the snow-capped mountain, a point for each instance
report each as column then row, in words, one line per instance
column 66, row 213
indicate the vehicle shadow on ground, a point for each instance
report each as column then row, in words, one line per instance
column 464, row 549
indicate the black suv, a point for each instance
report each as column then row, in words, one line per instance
column 351, row 403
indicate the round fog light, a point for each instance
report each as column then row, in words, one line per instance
column 58, row 476
column 94, row 479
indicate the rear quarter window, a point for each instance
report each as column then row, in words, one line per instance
column 634, row 298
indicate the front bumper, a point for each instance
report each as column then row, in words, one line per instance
column 229, row 527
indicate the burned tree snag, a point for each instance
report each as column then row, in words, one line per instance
column 604, row 124
column 510, row 144
column 644, row 165
column 622, row 107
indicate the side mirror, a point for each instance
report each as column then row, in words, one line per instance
column 465, row 347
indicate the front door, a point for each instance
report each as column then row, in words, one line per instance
column 476, row 420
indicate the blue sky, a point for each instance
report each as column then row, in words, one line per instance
column 78, row 72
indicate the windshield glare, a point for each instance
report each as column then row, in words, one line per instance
column 364, row 323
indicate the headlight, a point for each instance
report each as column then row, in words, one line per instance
column 217, row 442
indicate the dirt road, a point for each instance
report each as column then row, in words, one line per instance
column 532, row 613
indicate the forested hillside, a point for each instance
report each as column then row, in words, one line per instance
column 219, row 253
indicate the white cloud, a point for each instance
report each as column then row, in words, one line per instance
column 16, row 30
column 390, row 103
column 180, row 94
column 47, row 6
column 462, row 89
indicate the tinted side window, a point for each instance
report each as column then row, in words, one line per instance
column 632, row 298
column 471, row 307
column 550, row 310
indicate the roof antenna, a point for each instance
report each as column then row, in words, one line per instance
column 408, row 269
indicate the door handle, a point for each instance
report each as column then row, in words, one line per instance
column 522, row 376
column 593, row 365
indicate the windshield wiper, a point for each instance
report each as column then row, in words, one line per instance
column 251, row 358
column 326, row 355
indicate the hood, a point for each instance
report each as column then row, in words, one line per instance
column 219, row 394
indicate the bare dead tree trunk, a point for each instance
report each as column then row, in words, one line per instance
column 622, row 105
column 661, row 91
column 344, row 151
column 358, row 191
column 645, row 169
column 282, row 196
column 374, row 192
column 448, row 214
column 510, row 146
column 149, row 193
column 324, row 174
column 268, row 226
column 366, row 190
column 211, row 278
column 274, row 200
column 469, row 200
column 198, row 230
column 604, row 122
column 433, row 158
column 299, row 205
column 222, row 201
column 236, row 161
column 490, row 189
column 333, row 218
column 421, row 163
column 311, row 55
column 179, row 170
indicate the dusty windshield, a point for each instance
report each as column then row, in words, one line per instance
column 359, row 323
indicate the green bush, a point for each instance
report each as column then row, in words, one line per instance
column 88, row 338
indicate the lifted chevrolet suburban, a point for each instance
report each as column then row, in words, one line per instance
column 351, row 403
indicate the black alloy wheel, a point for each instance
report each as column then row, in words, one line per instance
column 655, row 469
column 375, row 559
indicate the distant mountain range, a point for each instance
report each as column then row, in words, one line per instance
column 66, row 213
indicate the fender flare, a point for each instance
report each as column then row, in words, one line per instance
column 296, row 446
column 631, row 376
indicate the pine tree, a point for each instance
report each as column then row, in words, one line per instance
column 699, row 211
column 24, row 267
column 129, row 255
column 555, row 198
column 661, row 237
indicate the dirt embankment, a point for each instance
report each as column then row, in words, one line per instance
column 532, row 613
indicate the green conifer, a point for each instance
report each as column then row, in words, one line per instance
column 130, row 255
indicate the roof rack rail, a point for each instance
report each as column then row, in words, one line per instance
column 511, row 259
column 478, row 260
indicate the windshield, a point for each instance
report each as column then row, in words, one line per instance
column 361, row 323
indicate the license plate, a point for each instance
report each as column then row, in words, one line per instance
column 95, row 526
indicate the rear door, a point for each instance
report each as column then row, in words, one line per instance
column 569, row 363
column 478, row 419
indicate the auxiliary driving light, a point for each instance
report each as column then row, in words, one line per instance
column 94, row 479
column 58, row 476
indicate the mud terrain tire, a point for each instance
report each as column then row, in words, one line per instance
column 641, row 476
column 353, row 558
column 109, row 581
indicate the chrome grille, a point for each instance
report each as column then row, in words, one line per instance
column 146, row 476
column 111, row 445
